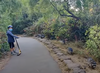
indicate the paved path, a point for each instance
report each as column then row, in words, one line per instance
column 35, row 58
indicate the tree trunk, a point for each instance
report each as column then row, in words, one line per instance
column 76, row 38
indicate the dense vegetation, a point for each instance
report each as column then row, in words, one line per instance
column 76, row 20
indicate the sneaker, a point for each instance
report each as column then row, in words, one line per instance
column 12, row 53
column 15, row 52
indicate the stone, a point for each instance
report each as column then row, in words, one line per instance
column 60, row 54
column 73, row 65
column 47, row 43
column 78, row 70
column 50, row 46
column 40, row 40
column 43, row 40
column 54, row 47
column 65, row 58
column 56, row 50
column 68, row 61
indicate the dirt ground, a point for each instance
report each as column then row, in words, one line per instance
column 78, row 57
column 4, row 60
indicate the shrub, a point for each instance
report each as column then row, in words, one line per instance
column 93, row 42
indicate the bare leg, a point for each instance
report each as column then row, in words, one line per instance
column 11, row 51
column 14, row 50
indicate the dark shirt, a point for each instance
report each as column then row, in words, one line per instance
column 11, row 37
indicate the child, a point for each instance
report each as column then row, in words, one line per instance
column 11, row 39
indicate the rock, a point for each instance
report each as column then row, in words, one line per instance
column 56, row 51
column 50, row 46
column 47, row 43
column 84, row 67
column 73, row 65
column 68, row 61
column 40, row 40
column 65, row 58
column 78, row 70
column 60, row 54
column 60, row 41
column 43, row 40
column 54, row 47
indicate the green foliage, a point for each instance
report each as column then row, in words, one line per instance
column 30, row 31
column 62, row 33
column 48, row 33
column 93, row 42
column 20, row 25
column 3, row 43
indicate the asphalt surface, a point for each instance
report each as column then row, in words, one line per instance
column 35, row 58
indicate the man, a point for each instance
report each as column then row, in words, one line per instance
column 11, row 39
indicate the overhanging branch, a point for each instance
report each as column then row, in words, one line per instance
column 59, row 11
column 72, row 15
column 67, row 9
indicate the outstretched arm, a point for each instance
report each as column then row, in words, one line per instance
column 12, row 35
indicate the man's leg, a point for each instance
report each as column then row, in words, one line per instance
column 14, row 50
column 11, row 48
column 11, row 51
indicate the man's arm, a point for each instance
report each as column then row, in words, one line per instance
column 12, row 35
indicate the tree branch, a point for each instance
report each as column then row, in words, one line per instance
column 59, row 11
column 67, row 9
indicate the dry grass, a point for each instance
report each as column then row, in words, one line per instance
column 79, row 56
column 4, row 61
column 77, row 47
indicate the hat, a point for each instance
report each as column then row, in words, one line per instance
column 10, row 26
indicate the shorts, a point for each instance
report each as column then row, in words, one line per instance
column 11, row 44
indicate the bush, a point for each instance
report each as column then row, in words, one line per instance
column 93, row 43
column 4, row 47
column 18, row 26
column 48, row 33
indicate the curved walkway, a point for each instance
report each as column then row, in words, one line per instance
column 35, row 58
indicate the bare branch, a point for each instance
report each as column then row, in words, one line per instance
column 67, row 9
column 59, row 11
column 71, row 13
column 55, row 8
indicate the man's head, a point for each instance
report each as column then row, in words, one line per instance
column 10, row 27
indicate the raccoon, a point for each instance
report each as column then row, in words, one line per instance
column 91, row 63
